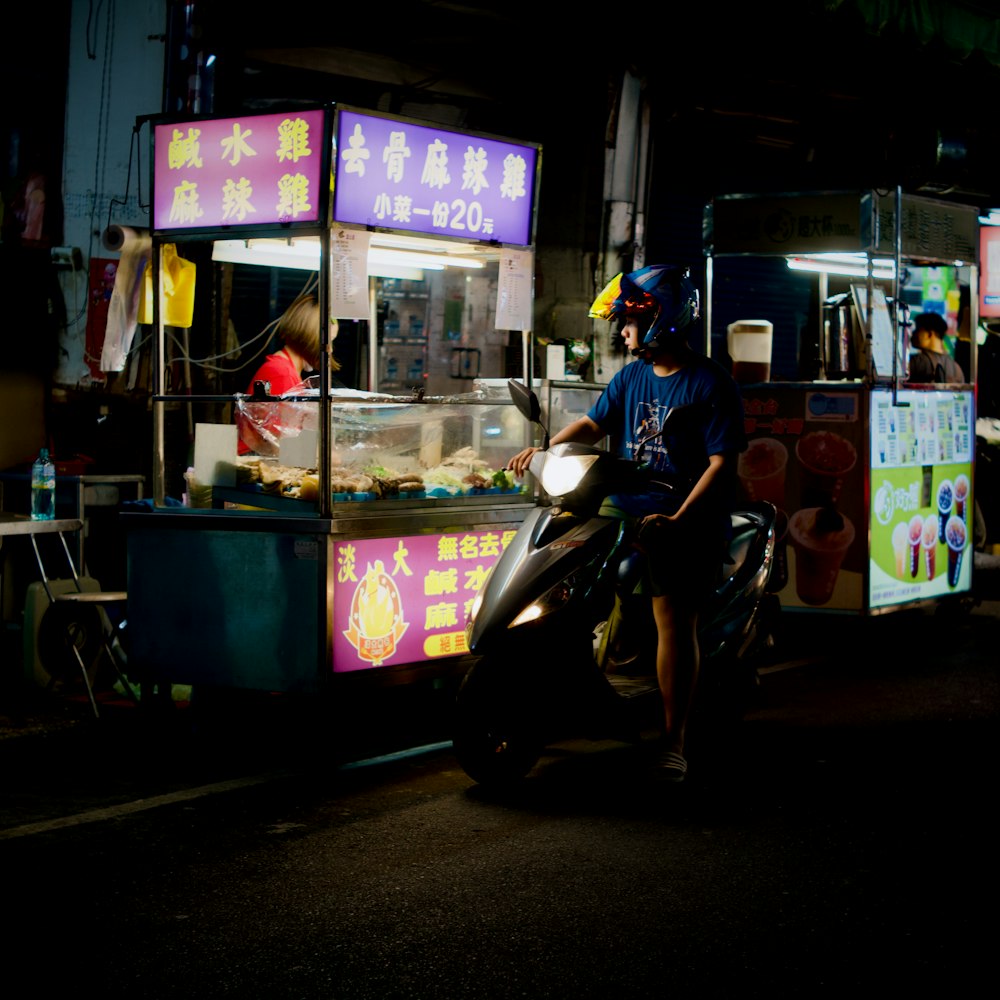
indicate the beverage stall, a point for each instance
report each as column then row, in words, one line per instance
column 347, row 547
column 871, row 473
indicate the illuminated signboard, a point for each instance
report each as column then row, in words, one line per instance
column 426, row 179
column 398, row 601
column 989, row 279
column 248, row 171
column 804, row 456
column 921, row 485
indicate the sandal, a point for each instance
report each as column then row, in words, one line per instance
column 670, row 766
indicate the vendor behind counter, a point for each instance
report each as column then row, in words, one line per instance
column 298, row 329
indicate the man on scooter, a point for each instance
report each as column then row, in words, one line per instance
column 684, row 533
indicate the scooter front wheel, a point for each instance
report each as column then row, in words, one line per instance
column 493, row 738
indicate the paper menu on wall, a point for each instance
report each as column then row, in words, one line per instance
column 514, row 290
column 349, row 274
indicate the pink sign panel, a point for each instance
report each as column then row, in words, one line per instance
column 246, row 171
column 989, row 277
column 427, row 179
column 398, row 601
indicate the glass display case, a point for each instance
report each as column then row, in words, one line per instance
column 563, row 402
column 383, row 450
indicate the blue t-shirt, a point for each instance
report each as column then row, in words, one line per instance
column 637, row 400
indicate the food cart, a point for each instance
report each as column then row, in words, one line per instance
column 349, row 549
column 872, row 475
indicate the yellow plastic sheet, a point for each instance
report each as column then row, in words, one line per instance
column 178, row 289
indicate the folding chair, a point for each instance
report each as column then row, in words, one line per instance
column 77, row 629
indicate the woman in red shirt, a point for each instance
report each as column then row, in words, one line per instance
column 260, row 424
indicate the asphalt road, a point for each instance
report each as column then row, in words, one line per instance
column 844, row 840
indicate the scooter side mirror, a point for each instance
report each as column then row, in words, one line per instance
column 528, row 406
column 525, row 401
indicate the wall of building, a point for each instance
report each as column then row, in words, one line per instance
column 116, row 59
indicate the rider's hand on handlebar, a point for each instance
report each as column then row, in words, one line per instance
column 519, row 463
column 657, row 520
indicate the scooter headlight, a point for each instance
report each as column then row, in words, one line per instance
column 552, row 600
column 561, row 474
column 477, row 603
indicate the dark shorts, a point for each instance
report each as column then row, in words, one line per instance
column 683, row 560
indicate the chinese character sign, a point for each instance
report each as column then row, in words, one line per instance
column 404, row 600
column 425, row 179
column 238, row 171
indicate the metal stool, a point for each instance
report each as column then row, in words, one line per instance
column 77, row 630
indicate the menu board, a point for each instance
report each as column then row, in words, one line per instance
column 922, row 445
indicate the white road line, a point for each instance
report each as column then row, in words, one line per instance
column 141, row 805
column 785, row 665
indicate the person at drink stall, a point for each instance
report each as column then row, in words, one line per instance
column 298, row 328
column 684, row 534
column 932, row 362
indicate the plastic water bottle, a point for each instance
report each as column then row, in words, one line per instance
column 43, row 487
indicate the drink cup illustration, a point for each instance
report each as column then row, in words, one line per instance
column 961, row 495
column 901, row 548
column 824, row 459
column 820, row 537
column 929, row 543
column 955, row 535
column 761, row 469
column 915, row 534
column 945, row 496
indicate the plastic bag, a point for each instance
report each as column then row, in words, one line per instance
column 178, row 289
column 262, row 424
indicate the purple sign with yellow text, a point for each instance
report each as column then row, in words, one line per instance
column 398, row 601
column 427, row 179
column 246, row 171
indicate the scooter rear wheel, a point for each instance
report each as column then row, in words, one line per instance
column 492, row 738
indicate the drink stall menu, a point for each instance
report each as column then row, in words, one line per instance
column 922, row 444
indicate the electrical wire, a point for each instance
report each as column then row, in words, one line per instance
column 265, row 333
column 103, row 106
column 263, row 337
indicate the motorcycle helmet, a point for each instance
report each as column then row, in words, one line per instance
column 661, row 297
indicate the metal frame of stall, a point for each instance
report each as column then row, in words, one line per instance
column 871, row 225
column 300, row 541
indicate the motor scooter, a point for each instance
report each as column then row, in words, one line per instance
column 564, row 646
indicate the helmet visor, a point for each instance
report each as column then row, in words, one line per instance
column 622, row 298
column 604, row 304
